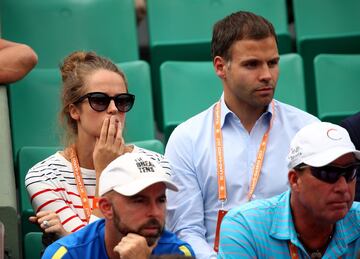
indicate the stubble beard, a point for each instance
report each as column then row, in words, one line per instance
column 150, row 239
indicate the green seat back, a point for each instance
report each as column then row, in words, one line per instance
column 187, row 89
column 324, row 27
column 33, row 245
column 28, row 157
column 290, row 88
column 140, row 123
column 151, row 144
column 337, row 86
column 182, row 30
column 34, row 106
column 56, row 28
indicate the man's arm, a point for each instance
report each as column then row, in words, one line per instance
column 16, row 60
column 185, row 211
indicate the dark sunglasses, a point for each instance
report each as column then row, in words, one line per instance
column 100, row 101
column 331, row 173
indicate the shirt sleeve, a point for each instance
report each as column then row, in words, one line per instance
column 185, row 215
column 46, row 193
column 236, row 238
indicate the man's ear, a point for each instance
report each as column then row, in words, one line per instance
column 220, row 67
column 105, row 206
column 74, row 112
column 294, row 180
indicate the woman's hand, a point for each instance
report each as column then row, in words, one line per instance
column 109, row 145
column 49, row 222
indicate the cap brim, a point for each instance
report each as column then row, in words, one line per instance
column 329, row 156
column 141, row 184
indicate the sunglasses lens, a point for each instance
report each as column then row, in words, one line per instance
column 124, row 102
column 99, row 102
column 331, row 174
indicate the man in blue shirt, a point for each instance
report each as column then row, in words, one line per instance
column 235, row 150
column 133, row 202
column 316, row 218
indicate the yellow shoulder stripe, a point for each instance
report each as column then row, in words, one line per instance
column 185, row 250
column 60, row 253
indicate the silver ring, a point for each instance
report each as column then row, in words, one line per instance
column 46, row 223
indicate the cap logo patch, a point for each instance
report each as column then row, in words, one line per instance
column 295, row 153
column 144, row 166
column 333, row 134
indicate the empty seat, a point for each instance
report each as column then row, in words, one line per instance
column 324, row 27
column 187, row 89
column 54, row 29
column 337, row 86
column 32, row 245
column 291, row 88
column 182, row 30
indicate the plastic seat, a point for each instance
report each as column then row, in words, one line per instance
column 34, row 106
column 33, row 245
column 337, row 86
column 151, row 144
column 181, row 30
column 54, row 29
column 291, row 87
column 8, row 207
column 140, row 124
column 328, row 27
column 187, row 89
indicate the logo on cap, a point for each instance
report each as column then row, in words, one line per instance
column 144, row 166
column 333, row 134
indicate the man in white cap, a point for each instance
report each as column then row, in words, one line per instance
column 133, row 203
column 317, row 217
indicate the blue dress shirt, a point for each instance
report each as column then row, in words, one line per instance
column 192, row 212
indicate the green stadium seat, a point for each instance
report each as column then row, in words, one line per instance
column 33, row 245
column 337, row 86
column 35, row 104
column 151, row 144
column 8, row 202
column 140, row 124
column 187, row 89
column 291, row 88
column 181, row 30
column 56, row 28
column 324, row 27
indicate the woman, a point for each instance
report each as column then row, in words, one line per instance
column 63, row 188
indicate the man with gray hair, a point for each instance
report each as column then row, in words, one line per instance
column 317, row 217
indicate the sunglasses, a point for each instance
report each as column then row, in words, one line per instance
column 100, row 101
column 331, row 173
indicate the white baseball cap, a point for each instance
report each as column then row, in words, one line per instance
column 131, row 173
column 319, row 144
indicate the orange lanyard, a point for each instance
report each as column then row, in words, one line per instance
column 80, row 183
column 220, row 155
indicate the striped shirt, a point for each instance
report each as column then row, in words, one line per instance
column 263, row 228
column 51, row 186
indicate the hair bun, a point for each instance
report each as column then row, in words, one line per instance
column 71, row 62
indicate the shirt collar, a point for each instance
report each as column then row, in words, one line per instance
column 225, row 111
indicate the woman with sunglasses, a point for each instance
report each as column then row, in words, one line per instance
column 63, row 188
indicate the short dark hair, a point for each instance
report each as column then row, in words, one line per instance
column 238, row 26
